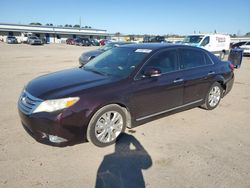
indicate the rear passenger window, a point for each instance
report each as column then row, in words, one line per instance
column 165, row 61
column 191, row 58
column 208, row 60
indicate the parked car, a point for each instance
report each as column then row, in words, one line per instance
column 238, row 44
column 159, row 39
column 87, row 56
column 94, row 42
column 70, row 41
column 33, row 40
column 246, row 48
column 103, row 42
column 82, row 42
column 121, row 88
column 11, row 40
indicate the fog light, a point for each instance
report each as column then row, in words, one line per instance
column 56, row 139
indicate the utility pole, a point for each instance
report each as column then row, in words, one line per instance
column 80, row 22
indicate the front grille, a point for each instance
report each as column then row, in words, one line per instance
column 27, row 103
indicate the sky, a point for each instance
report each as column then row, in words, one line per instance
column 135, row 16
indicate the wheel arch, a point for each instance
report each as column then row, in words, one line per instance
column 221, row 81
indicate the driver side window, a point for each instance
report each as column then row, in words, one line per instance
column 205, row 41
column 165, row 61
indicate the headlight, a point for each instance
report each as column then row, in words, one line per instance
column 56, row 104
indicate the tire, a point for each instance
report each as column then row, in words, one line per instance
column 103, row 130
column 213, row 97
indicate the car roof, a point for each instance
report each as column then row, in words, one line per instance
column 158, row 46
column 119, row 42
column 151, row 46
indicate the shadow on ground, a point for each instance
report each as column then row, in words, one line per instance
column 123, row 168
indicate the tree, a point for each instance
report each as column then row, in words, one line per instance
column 77, row 26
column 248, row 34
column 35, row 23
column 117, row 34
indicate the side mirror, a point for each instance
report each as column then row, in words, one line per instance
column 151, row 72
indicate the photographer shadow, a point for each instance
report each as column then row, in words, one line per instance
column 123, row 168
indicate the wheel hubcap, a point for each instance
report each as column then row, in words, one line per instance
column 108, row 126
column 214, row 96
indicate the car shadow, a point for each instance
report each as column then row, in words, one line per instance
column 123, row 168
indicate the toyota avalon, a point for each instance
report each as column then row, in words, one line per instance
column 120, row 88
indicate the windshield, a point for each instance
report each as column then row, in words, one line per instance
column 193, row 39
column 117, row 62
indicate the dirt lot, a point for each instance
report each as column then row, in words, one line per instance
column 195, row 148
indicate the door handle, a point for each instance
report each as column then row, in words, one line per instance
column 211, row 73
column 178, row 80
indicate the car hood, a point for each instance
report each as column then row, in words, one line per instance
column 65, row 83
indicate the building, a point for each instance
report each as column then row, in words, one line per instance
column 50, row 34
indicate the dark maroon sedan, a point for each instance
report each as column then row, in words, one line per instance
column 120, row 88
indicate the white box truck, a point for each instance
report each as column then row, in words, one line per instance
column 218, row 44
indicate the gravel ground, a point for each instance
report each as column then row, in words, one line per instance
column 194, row 148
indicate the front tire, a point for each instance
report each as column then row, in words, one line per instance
column 106, row 125
column 213, row 97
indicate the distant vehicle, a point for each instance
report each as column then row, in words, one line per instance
column 103, row 42
column 33, row 40
column 218, row 44
column 11, row 40
column 24, row 37
column 238, row 44
column 70, row 41
column 159, row 39
column 122, row 87
column 82, row 42
column 178, row 42
column 94, row 42
column 87, row 56
column 246, row 48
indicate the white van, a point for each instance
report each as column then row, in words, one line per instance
column 24, row 37
column 218, row 44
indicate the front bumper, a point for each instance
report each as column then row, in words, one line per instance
column 47, row 128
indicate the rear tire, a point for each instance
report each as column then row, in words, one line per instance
column 213, row 97
column 106, row 125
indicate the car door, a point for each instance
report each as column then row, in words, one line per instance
column 198, row 72
column 154, row 95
